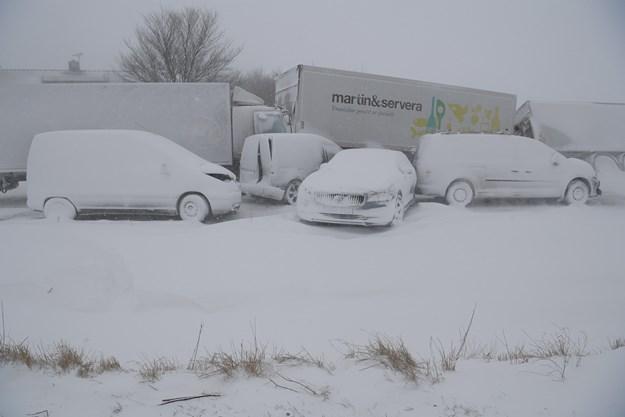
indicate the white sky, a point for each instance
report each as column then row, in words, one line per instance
column 552, row 49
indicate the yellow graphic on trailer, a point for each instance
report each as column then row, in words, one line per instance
column 459, row 111
column 461, row 118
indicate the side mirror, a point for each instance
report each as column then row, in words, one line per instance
column 555, row 159
column 322, row 166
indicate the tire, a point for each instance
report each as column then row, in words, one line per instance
column 577, row 193
column 59, row 209
column 290, row 194
column 398, row 213
column 193, row 208
column 460, row 194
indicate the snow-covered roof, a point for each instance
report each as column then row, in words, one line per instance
column 241, row 97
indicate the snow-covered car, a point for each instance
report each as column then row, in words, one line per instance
column 76, row 171
column 359, row 186
column 274, row 165
column 463, row 167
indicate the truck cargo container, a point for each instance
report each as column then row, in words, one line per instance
column 208, row 119
column 582, row 130
column 355, row 109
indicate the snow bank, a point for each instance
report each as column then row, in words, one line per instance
column 151, row 284
column 592, row 388
column 140, row 290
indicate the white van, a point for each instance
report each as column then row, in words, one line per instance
column 274, row 165
column 111, row 170
column 462, row 167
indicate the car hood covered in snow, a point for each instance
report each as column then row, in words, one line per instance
column 356, row 171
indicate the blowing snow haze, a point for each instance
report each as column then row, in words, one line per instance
column 560, row 49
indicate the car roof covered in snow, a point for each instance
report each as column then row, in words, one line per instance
column 136, row 136
column 367, row 156
column 358, row 170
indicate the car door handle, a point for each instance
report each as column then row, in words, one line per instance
column 516, row 171
column 528, row 172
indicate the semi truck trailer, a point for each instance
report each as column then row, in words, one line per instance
column 209, row 119
column 583, row 130
column 355, row 109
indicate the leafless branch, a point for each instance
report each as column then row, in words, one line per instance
column 179, row 46
column 178, row 399
column 301, row 384
column 281, row 386
column 191, row 365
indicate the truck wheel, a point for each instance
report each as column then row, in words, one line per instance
column 193, row 208
column 59, row 209
column 398, row 214
column 577, row 193
column 290, row 194
column 460, row 193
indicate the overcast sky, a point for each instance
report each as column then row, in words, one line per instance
column 550, row 49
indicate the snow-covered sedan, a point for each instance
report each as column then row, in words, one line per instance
column 359, row 186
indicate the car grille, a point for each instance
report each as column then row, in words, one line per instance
column 339, row 199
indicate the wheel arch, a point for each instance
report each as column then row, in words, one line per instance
column 69, row 200
column 582, row 179
column 291, row 181
column 186, row 193
column 465, row 179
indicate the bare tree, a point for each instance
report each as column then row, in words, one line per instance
column 179, row 46
column 258, row 82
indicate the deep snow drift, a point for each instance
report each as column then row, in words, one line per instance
column 137, row 289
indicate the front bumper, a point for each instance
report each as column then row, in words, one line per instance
column 224, row 203
column 369, row 214
column 262, row 189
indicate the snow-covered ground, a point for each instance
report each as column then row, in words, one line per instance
column 140, row 289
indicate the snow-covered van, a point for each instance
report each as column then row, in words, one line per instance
column 356, row 109
column 274, row 165
column 462, row 167
column 209, row 119
column 118, row 170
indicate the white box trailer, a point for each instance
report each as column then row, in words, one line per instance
column 197, row 116
column 582, row 130
column 356, row 109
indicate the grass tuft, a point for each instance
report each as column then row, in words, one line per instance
column 151, row 370
column 250, row 359
column 61, row 357
column 303, row 357
column 392, row 354
column 66, row 357
column 16, row 353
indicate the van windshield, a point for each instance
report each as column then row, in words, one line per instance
column 269, row 122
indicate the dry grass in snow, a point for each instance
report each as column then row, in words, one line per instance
column 391, row 354
column 60, row 357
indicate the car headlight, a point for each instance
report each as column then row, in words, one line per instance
column 379, row 197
